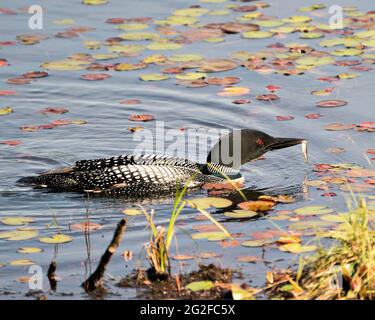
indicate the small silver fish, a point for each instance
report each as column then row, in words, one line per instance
column 304, row 150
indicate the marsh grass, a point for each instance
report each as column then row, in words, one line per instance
column 346, row 270
column 158, row 247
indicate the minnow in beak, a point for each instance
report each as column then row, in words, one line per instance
column 280, row 143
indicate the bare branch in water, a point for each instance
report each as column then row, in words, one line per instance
column 95, row 280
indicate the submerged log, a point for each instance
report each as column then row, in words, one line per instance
column 95, row 280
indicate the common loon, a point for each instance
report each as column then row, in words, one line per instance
column 152, row 175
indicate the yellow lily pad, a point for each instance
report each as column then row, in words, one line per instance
column 191, row 76
column 347, row 52
column 369, row 43
column 214, row 39
column 257, row 34
column 241, row 294
column 191, row 12
column 16, row 221
column 5, row 111
column 138, row 36
column 269, row 23
column 297, row 19
column 283, row 29
column 19, row 234
column 132, row 212
column 154, row 58
column 185, row 57
column 126, row 48
column 219, row 12
column 65, row 65
column 57, row 238
column 133, row 26
column 312, row 210
column 239, row 214
column 296, row 247
column 94, row 2
column 64, row 22
column 21, row 262
column 28, row 250
column 105, row 56
column 257, row 243
column 164, row 46
column 153, row 77
column 347, row 75
column 205, row 203
column 311, row 35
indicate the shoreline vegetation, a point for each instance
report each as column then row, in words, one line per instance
column 343, row 270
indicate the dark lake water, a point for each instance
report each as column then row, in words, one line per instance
column 106, row 134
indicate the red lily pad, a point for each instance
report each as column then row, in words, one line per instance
column 272, row 88
column 48, row 126
column 18, row 80
column 329, row 79
column 339, row 126
column 331, row 103
column 115, row 20
column 66, row 34
column 7, row 43
column 267, row 97
column 95, row 76
column 61, row 122
column 367, row 125
column 245, row 8
column 7, row 92
column 141, row 117
column 11, row 143
column 216, row 65
column 241, row 101
column 3, row 63
column 361, row 68
column 284, row 118
column 130, row 102
column 35, row 74
column 347, row 63
column 313, row 116
column 53, row 110
column 86, row 226
column 329, row 194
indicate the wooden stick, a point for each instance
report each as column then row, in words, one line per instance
column 95, row 280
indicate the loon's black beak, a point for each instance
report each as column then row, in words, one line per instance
column 280, row 143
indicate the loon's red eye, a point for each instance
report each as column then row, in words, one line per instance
column 260, row 142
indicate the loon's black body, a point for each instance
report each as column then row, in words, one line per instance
column 154, row 175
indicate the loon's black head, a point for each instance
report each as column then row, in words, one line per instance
column 242, row 146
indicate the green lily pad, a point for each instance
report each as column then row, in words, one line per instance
column 200, row 285
column 211, row 236
column 312, row 210
column 257, row 243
